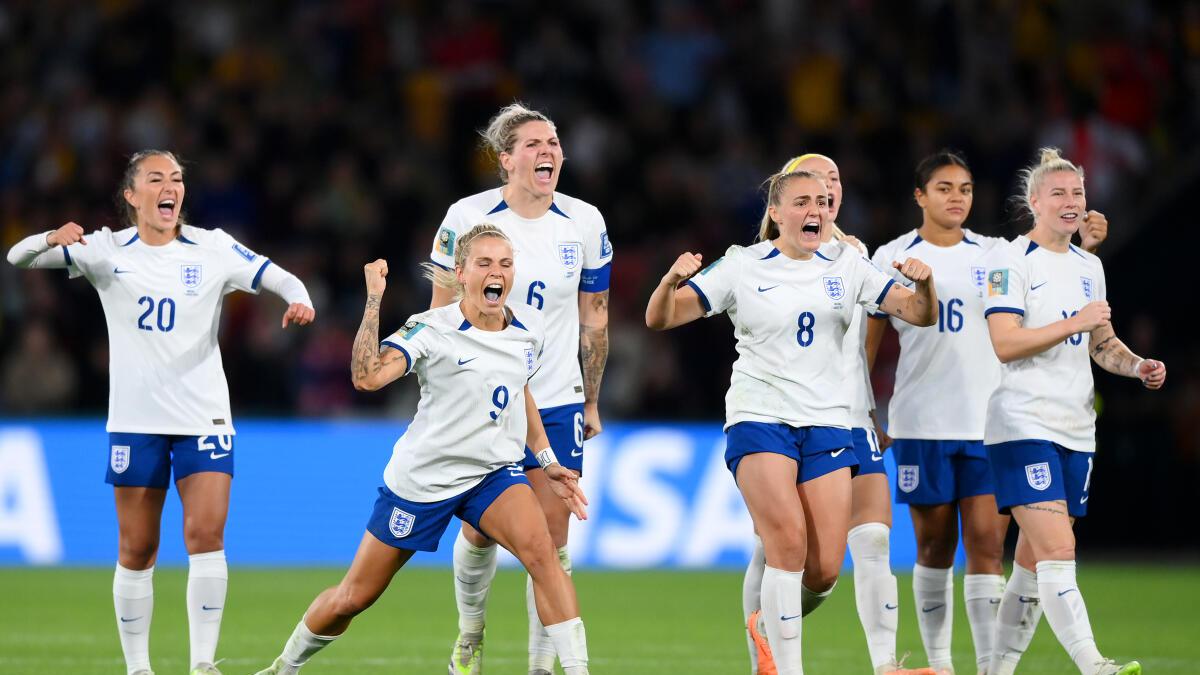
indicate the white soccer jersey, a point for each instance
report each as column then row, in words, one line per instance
column 471, row 417
column 557, row 256
column 858, row 378
column 946, row 372
column 162, row 305
column 1049, row 396
column 790, row 318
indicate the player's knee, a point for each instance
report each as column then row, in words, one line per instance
column 820, row 579
column 137, row 552
column 987, row 549
column 937, row 551
column 203, row 538
column 537, row 554
column 353, row 600
column 1060, row 550
column 785, row 548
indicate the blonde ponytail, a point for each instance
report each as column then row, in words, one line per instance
column 767, row 229
column 448, row 278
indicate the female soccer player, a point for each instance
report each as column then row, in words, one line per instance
column 563, row 262
column 943, row 472
column 161, row 283
column 460, row 456
column 870, row 513
column 1045, row 296
column 791, row 305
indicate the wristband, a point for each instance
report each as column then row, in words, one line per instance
column 1136, row 367
column 546, row 457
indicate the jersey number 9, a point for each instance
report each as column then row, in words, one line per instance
column 500, row 400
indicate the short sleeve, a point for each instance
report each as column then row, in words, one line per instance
column 1101, row 283
column 245, row 267
column 873, row 284
column 883, row 261
column 1006, row 285
column 415, row 339
column 716, row 283
column 446, row 239
column 597, row 257
column 89, row 259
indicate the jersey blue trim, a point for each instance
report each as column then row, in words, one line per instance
column 132, row 239
column 516, row 323
column 886, row 288
column 1076, row 251
column 1003, row 310
column 818, row 254
column 774, row 252
column 407, row 359
column 703, row 297
column 1032, row 247
column 879, row 315
column 965, row 239
column 67, row 256
column 465, row 324
column 185, row 240
column 914, row 242
column 499, row 207
column 448, row 269
column 554, row 208
column 595, row 281
column 258, row 275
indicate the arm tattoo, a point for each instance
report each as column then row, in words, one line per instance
column 364, row 361
column 1112, row 355
column 593, row 349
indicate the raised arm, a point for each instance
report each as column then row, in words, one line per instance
column 563, row 481
column 918, row 306
column 1093, row 232
column 593, row 352
column 670, row 306
column 369, row 368
column 289, row 287
column 36, row 251
column 1112, row 355
column 1013, row 342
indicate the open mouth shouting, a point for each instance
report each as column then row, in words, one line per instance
column 811, row 230
column 543, row 173
column 492, row 293
column 166, row 208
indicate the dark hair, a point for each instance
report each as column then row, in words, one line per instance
column 128, row 213
column 929, row 165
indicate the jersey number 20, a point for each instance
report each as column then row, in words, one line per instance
column 166, row 313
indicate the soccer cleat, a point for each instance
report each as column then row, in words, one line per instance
column 205, row 669
column 1110, row 667
column 539, row 671
column 896, row 667
column 467, row 656
column 766, row 663
column 275, row 668
column 143, row 672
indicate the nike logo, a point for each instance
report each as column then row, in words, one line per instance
column 876, row 458
column 1083, row 499
column 463, row 362
column 124, row 620
column 1027, row 600
column 118, row 270
column 576, row 453
column 214, row 455
column 1062, row 593
column 788, row 618
column 764, row 290
column 887, row 606
column 1034, row 288
column 835, row 454
column 993, row 601
column 207, row 608
column 933, row 608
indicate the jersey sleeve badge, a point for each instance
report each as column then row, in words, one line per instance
column 605, row 245
column 445, row 242
column 997, row 282
column 244, row 252
column 410, row 329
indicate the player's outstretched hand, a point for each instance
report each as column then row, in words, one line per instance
column 375, row 273
column 1094, row 230
column 1153, row 374
column 591, row 420
column 66, row 235
column 914, row 270
column 1095, row 314
column 299, row 314
column 566, row 486
column 685, row 266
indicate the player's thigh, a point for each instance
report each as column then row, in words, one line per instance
column 1047, row 528
column 374, row 565
column 767, row 481
column 558, row 514
column 872, row 501
column 936, row 530
column 515, row 520
column 139, row 515
column 475, row 537
column 205, row 499
column 983, row 527
column 826, row 501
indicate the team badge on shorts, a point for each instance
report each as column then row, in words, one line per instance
column 568, row 254
column 834, row 287
column 401, row 522
column 1038, row 475
column 908, row 477
column 190, row 275
column 119, row 459
column 1086, row 282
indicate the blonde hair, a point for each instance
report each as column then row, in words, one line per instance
column 501, row 132
column 1050, row 160
column 767, row 229
column 448, row 278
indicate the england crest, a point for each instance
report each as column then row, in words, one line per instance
column 908, row 476
column 834, row 287
column 1038, row 475
column 190, row 275
column 529, row 360
column 1086, row 282
column 401, row 523
column 568, row 254
column 119, row 459
column 978, row 276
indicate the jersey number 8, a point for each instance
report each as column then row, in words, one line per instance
column 806, row 321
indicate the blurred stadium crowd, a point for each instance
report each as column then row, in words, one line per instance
column 325, row 135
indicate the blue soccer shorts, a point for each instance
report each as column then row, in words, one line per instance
column 817, row 450
column 940, row 472
column 147, row 460
column 1032, row 471
column 564, row 429
column 867, row 452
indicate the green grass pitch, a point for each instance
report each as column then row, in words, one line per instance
column 61, row 621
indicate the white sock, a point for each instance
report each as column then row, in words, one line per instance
column 933, row 591
column 875, row 591
column 782, row 610
column 752, row 596
column 474, row 569
column 541, row 649
column 811, row 600
column 208, row 577
column 570, row 642
column 301, row 646
column 1068, row 617
column 133, row 600
column 982, row 593
column 1016, row 621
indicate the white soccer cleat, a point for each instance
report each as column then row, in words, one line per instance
column 275, row 668
column 467, row 655
column 205, row 669
column 1110, row 667
column 539, row 671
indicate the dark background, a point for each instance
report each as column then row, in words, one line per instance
column 325, row 135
